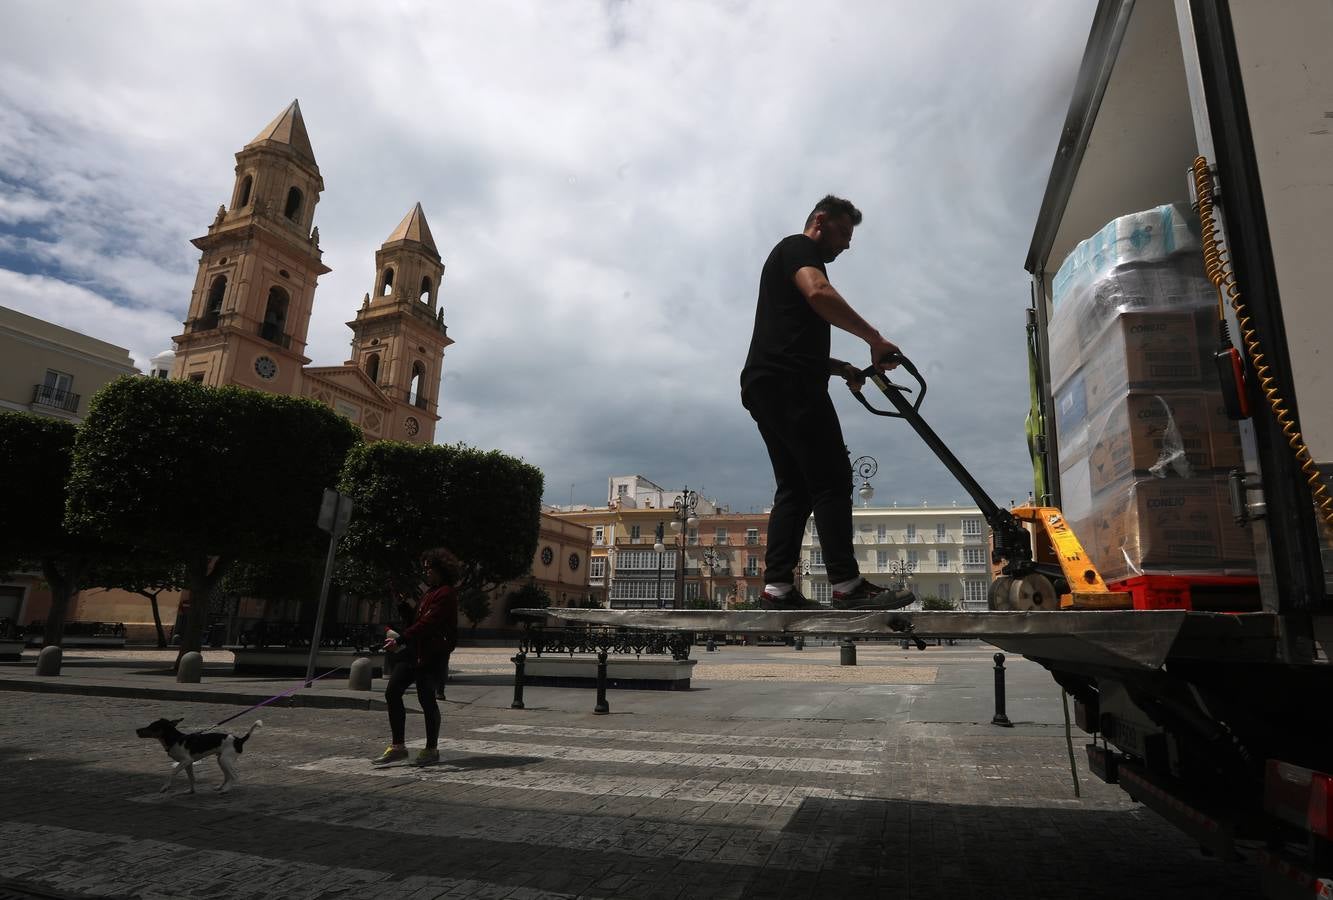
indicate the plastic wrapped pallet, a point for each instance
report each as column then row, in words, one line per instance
column 1143, row 439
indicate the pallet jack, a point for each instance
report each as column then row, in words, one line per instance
column 1058, row 574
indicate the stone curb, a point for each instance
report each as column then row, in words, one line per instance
column 188, row 695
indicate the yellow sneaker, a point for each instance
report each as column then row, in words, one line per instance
column 390, row 754
column 426, row 756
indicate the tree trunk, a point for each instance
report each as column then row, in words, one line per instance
column 157, row 618
column 203, row 575
column 64, row 585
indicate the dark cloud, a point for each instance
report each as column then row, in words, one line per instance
column 603, row 179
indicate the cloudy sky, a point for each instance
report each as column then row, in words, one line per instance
column 603, row 179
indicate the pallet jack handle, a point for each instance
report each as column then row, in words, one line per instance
column 872, row 373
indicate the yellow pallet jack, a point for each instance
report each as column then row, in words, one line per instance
column 1042, row 564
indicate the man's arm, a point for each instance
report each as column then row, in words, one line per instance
column 830, row 306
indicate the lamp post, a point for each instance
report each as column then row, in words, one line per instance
column 682, row 516
column 865, row 467
column 710, row 557
column 902, row 569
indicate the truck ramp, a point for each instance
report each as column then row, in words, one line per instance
column 1142, row 639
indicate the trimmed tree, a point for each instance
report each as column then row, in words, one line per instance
column 484, row 506
column 475, row 605
column 144, row 573
column 205, row 475
column 35, row 455
column 937, row 603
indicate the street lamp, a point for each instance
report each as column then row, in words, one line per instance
column 710, row 557
column 865, row 467
column 683, row 516
column 902, row 569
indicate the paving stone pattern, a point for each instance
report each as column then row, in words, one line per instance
column 549, row 803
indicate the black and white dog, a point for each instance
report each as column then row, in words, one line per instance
column 188, row 749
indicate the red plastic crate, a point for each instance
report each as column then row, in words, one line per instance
column 1214, row 593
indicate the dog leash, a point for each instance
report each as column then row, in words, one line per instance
column 286, row 693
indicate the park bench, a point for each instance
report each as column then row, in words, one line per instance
column 79, row 634
column 635, row 658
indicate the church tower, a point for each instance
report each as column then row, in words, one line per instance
column 399, row 333
column 250, row 309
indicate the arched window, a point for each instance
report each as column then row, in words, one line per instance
column 293, row 209
column 386, row 284
column 425, row 290
column 243, row 199
column 215, row 293
column 415, row 392
column 373, row 367
column 275, row 317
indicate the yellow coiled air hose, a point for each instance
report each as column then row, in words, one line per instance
column 1218, row 269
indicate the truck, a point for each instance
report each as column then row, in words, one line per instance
column 1220, row 721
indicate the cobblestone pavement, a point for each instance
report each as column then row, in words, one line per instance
column 707, row 794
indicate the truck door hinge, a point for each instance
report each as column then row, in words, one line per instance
column 1194, row 188
column 1239, row 485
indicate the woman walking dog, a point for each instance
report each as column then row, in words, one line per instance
column 428, row 640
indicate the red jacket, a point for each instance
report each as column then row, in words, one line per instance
column 434, row 629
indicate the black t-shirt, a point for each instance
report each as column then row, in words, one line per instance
column 789, row 337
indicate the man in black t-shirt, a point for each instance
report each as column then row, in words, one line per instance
column 784, row 386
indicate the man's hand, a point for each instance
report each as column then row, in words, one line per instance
column 880, row 347
column 852, row 375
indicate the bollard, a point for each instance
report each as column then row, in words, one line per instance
column 601, row 708
column 360, row 677
column 48, row 661
column 799, row 643
column 191, row 668
column 1000, row 718
column 518, row 662
column 847, row 652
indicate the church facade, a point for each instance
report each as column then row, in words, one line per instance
column 250, row 308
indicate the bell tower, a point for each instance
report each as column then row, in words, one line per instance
column 399, row 333
column 250, row 308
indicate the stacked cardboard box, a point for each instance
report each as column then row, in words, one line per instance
column 1144, row 440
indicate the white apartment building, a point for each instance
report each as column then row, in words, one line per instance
column 939, row 551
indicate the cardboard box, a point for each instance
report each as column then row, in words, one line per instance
column 1163, row 435
column 1144, row 350
column 1157, row 526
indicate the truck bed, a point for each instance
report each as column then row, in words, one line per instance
column 1102, row 638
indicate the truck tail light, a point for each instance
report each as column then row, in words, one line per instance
column 1319, row 817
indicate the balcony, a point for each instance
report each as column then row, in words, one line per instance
column 207, row 322
column 45, row 395
column 273, row 334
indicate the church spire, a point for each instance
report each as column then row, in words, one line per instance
column 288, row 128
column 414, row 228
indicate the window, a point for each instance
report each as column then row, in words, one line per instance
column 942, row 558
column 911, row 533
column 635, row 532
column 912, row 558
column 691, row 590
column 943, row 590
column 599, row 534
column 197, row 377
column 215, row 293
column 816, row 558
column 751, row 565
column 974, row 591
column 752, row 594
column 373, row 367
column 821, row 592
column 243, row 197
column 974, row 556
column 415, row 394
column 720, row 536
column 58, row 382
column 752, row 536
column 293, row 207
column 275, row 315
column 972, row 527
column 425, row 290
column 386, row 283
column 939, row 531
column 692, row 536
column 882, row 534
column 643, row 589
column 597, row 567
column 881, row 560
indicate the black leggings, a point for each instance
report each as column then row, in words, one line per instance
column 403, row 674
